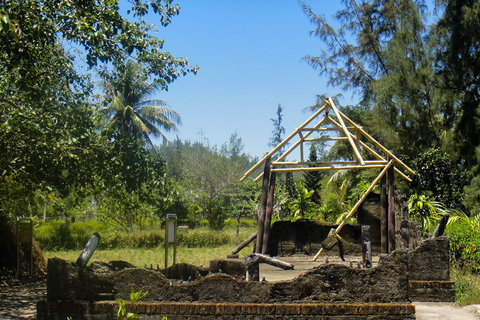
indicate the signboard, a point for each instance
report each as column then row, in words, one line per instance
column 25, row 231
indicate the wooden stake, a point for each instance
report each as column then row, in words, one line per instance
column 391, row 209
column 268, row 214
column 263, row 206
column 366, row 247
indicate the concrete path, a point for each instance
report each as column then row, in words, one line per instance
column 446, row 311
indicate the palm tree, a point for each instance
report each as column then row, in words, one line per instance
column 127, row 110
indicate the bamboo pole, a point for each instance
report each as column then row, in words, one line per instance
column 327, row 129
column 286, row 153
column 245, row 243
column 291, row 163
column 359, row 202
column 325, row 139
column 281, row 144
column 374, row 153
column 347, row 133
column 375, row 142
column 372, row 166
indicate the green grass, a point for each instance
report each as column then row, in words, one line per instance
column 467, row 286
column 140, row 257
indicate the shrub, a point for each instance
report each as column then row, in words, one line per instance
column 464, row 242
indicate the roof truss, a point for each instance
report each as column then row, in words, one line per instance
column 366, row 152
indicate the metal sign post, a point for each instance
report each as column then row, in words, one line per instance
column 171, row 236
column 24, row 235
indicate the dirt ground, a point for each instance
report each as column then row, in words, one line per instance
column 18, row 300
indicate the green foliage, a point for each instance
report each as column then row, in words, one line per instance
column 122, row 305
column 426, row 211
column 302, row 206
column 464, row 234
column 437, row 176
column 467, row 286
column 312, row 178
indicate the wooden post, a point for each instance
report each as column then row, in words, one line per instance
column 405, row 234
column 383, row 215
column 88, row 250
column 391, row 209
column 366, row 247
column 263, row 206
column 268, row 213
column 253, row 268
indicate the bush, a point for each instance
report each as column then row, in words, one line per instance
column 464, row 243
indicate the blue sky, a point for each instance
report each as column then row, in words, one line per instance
column 250, row 58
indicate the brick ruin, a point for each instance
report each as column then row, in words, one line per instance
column 329, row 291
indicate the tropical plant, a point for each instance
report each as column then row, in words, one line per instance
column 302, row 206
column 425, row 210
column 128, row 111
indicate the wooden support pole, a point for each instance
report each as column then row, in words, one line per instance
column 391, row 209
column 383, row 215
column 366, row 247
column 268, row 213
column 253, row 267
column 245, row 243
column 263, row 206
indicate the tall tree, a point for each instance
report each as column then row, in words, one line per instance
column 389, row 64
column 128, row 110
column 459, row 68
column 278, row 130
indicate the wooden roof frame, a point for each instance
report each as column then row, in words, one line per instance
column 357, row 141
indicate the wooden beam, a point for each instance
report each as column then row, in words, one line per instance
column 281, row 144
column 345, row 130
column 359, row 202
